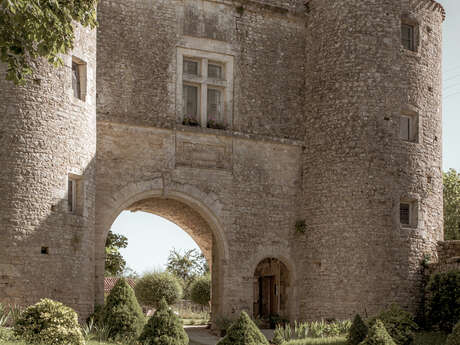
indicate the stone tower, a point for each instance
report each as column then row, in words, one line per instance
column 311, row 177
column 372, row 164
column 47, row 155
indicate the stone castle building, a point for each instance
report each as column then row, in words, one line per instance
column 298, row 142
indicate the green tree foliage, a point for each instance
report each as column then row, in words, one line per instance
column 49, row 322
column 200, row 291
column 443, row 301
column 243, row 332
column 378, row 335
column 122, row 313
column 115, row 265
column 187, row 267
column 164, row 328
column 451, row 193
column 357, row 332
column 399, row 323
column 39, row 28
column 454, row 337
column 152, row 287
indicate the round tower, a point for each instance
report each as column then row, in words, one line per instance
column 47, row 187
column 372, row 163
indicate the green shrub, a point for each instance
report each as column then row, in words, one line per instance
column 122, row 314
column 243, row 332
column 378, row 335
column 164, row 328
column 49, row 322
column 357, row 332
column 454, row 337
column 201, row 290
column 443, row 302
column 399, row 324
column 152, row 287
column 318, row 341
column 7, row 334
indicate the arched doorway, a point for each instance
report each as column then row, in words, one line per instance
column 271, row 286
column 189, row 214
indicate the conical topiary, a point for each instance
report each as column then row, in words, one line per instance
column 243, row 332
column 357, row 332
column 454, row 337
column 378, row 335
column 163, row 328
column 122, row 313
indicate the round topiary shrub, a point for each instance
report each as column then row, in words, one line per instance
column 443, row 301
column 122, row 313
column 243, row 332
column 357, row 332
column 152, row 287
column 399, row 323
column 49, row 322
column 378, row 335
column 454, row 337
column 163, row 328
column 201, row 290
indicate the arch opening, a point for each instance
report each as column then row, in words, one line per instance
column 272, row 289
column 198, row 222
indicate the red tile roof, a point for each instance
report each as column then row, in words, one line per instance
column 109, row 283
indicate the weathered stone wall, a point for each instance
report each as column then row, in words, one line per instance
column 448, row 258
column 356, row 168
column 45, row 134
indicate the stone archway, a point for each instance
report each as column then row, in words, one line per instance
column 191, row 215
column 271, row 289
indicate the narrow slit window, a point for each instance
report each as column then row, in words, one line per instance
column 76, row 80
column 214, row 105
column 404, row 213
column 408, row 36
column 71, row 195
column 405, row 128
column 190, row 94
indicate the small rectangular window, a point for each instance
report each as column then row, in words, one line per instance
column 190, row 101
column 408, row 37
column 214, row 106
column 72, row 195
column 408, row 127
column 214, row 71
column 404, row 213
column 191, row 67
column 79, row 78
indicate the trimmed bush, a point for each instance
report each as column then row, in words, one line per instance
column 122, row 313
column 399, row 323
column 164, row 328
column 454, row 337
column 49, row 322
column 243, row 332
column 152, row 287
column 443, row 302
column 200, row 291
column 378, row 335
column 357, row 332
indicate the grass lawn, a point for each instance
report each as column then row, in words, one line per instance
column 319, row 341
column 430, row 338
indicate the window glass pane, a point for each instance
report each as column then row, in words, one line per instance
column 214, row 71
column 191, row 67
column 76, row 80
column 190, row 100
column 215, row 106
column 404, row 214
column 407, row 36
column 405, row 128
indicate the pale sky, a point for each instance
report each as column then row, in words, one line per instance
column 151, row 237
